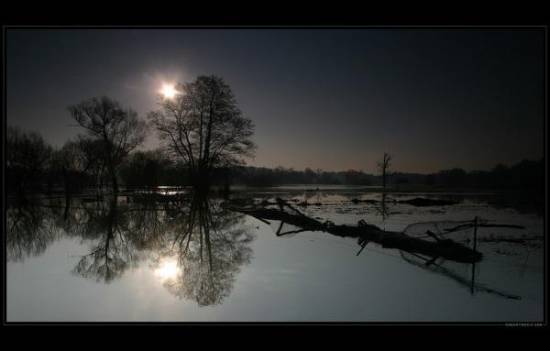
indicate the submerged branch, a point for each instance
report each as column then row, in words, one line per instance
column 435, row 268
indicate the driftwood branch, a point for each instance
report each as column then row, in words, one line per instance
column 445, row 248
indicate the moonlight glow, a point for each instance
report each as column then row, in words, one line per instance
column 168, row 91
column 168, row 270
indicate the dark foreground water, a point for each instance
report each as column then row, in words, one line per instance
column 174, row 258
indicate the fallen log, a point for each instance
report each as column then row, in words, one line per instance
column 445, row 248
column 424, row 202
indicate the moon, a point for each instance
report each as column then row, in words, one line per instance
column 168, row 91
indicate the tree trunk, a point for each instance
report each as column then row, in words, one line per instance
column 200, row 179
column 115, row 183
column 67, row 206
column 67, row 187
column 203, row 181
column 226, row 183
column 113, row 179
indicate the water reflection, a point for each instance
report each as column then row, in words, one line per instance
column 113, row 250
column 383, row 209
column 209, row 247
column 195, row 248
column 452, row 271
column 193, row 245
column 168, row 269
column 425, row 245
column 30, row 229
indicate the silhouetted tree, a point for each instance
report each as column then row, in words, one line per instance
column 70, row 164
column 453, row 177
column 429, row 179
column 118, row 129
column 354, row 177
column 92, row 151
column 383, row 166
column 27, row 160
column 147, row 168
column 203, row 126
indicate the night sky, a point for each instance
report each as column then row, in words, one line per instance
column 334, row 99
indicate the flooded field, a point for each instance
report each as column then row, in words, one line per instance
column 166, row 256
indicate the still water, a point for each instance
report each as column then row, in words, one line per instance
column 169, row 257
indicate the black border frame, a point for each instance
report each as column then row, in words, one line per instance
column 522, row 325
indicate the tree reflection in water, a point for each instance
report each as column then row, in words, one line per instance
column 114, row 250
column 210, row 247
column 29, row 229
column 195, row 246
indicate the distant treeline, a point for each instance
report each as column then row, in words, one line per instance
column 152, row 168
column 33, row 165
column 260, row 176
column 525, row 174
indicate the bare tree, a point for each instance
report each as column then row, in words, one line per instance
column 92, row 151
column 383, row 166
column 68, row 163
column 118, row 130
column 27, row 159
column 203, row 127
